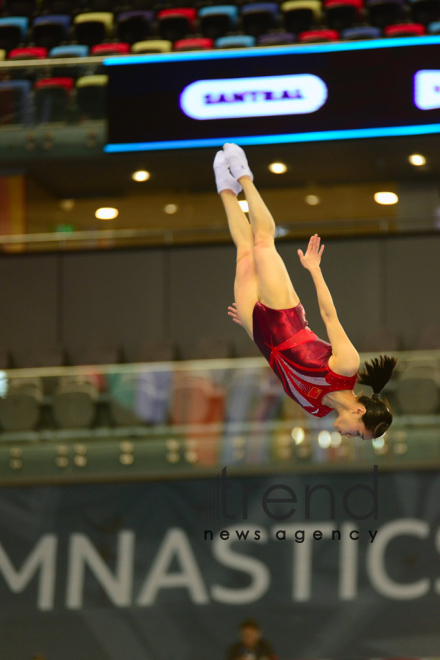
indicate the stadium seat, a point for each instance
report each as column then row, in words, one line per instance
column 434, row 28
column 31, row 53
column 385, row 12
column 20, row 408
column 258, row 18
column 342, row 14
column 69, row 51
column 360, row 33
column 217, row 21
column 91, row 96
column 50, row 31
column 152, row 46
column 3, row 54
column 175, row 24
column 235, row 41
column 276, row 39
column 13, row 31
column 110, row 49
column 134, row 26
column 425, row 11
column 404, row 30
column 91, row 29
column 200, row 43
column 418, row 391
column 15, row 104
column 318, row 36
column 52, row 99
column 22, row 7
column 301, row 15
column 74, row 402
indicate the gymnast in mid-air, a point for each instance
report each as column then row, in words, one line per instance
column 318, row 375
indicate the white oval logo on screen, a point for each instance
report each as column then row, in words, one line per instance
column 264, row 96
column 427, row 89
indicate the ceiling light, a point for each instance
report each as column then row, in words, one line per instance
column 386, row 198
column 313, row 200
column 277, row 168
column 298, row 435
column 140, row 175
column 171, row 208
column 324, row 439
column 244, row 205
column 106, row 213
column 417, row 160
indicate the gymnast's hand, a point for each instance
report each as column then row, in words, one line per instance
column 233, row 312
column 312, row 258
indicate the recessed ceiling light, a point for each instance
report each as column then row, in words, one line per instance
column 417, row 160
column 171, row 208
column 106, row 213
column 140, row 175
column 244, row 205
column 313, row 200
column 278, row 168
column 386, row 198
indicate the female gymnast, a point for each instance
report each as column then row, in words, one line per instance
column 318, row 375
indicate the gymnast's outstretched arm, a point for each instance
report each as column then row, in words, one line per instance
column 345, row 357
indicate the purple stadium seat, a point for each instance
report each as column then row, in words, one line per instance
column 133, row 26
column 50, row 31
column 259, row 17
column 276, row 39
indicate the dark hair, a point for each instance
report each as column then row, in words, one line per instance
column 250, row 623
column 376, row 374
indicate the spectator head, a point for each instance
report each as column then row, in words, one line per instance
column 250, row 632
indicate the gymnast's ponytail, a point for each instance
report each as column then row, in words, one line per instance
column 376, row 374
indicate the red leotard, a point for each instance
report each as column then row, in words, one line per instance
column 297, row 356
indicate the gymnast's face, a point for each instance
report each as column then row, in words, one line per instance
column 349, row 423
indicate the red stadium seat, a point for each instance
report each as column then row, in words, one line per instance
column 318, row 36
column 28, row 54
column 405, row 30
column 175, row 24
column 110, row 49
column 52, row 98
column 342, row 14
column 199, row 43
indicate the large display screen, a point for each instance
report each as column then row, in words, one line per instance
column 273, row 95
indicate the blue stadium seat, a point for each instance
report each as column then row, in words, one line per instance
column 235, row 41
column 360, row 33
column 15, row 106
column 434, row 28
column 13, row 31
column 69, row 51
column 134, row 26
column 216, row 21
column 50, row 31
column 259, row 17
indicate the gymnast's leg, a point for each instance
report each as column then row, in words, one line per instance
column 275, row 288
column 245, row 285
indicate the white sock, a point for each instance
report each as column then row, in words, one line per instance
column 223, row 178
column 237, row 161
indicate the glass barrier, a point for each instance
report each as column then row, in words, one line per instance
column 194, row 418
